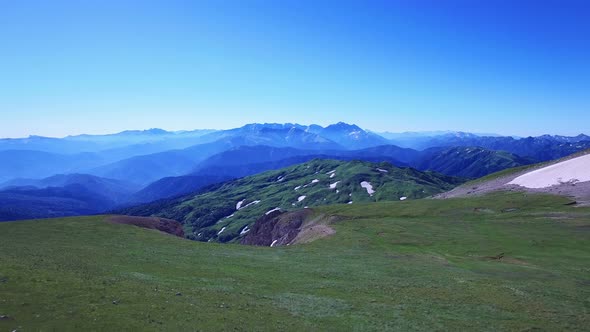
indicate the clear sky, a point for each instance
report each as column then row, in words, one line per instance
column 508, row 67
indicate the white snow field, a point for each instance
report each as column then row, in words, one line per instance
column 569, row 171
column 333, row 185
column 369, row 187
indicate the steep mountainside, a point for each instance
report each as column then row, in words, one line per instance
column 174, row 186
column 351, row 137
column 469, row 162
column 540, row 148
column 225, row 213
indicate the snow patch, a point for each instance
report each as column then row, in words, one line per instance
column 403, row 198
column 221, row 231
column 251, row 203
column 369, row 187
column 300, row 198
column 245, row 230
column 333, row 185
column 331, row 172
column 569, row 171
column 315, row 181
column 297, row 188
column 382, row 170
column 239, row 205
column 333, row 175
column 349, row 202
column 273, row 243
column 273, row 210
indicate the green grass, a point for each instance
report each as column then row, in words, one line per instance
column 412, row 265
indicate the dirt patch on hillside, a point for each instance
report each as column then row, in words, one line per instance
column 161, row 224
column 314, row 229
column 280, row 229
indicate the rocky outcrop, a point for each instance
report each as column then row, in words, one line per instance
column 277, row 228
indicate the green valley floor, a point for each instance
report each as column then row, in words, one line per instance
column 507, row 261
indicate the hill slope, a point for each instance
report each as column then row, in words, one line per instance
column 30, row 202
column 468, row 162
column 568, row 176
column 174, row 186
column 414, row 265
column 222, row 214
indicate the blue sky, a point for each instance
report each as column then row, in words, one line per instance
column 508, row 67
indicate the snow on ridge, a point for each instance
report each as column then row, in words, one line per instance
column 369, row 187
column 271, row 211
column 221, row 231
column 382, row 170
column 569, row 171
column 331, row 172
column 333, row 185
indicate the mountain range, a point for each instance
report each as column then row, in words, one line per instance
column 134, row 167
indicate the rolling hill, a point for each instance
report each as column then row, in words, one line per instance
column 502, row 262
column 224, row 213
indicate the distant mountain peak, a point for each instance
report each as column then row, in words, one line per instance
column 344, row 125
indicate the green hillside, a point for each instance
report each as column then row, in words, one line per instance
column 214, row 216
column 413, row 265
column 468, row 162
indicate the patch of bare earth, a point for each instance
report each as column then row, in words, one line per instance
column 286, row 228
column 312, row 233
column 169, row 226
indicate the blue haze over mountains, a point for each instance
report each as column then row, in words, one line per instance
column 85, row 174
